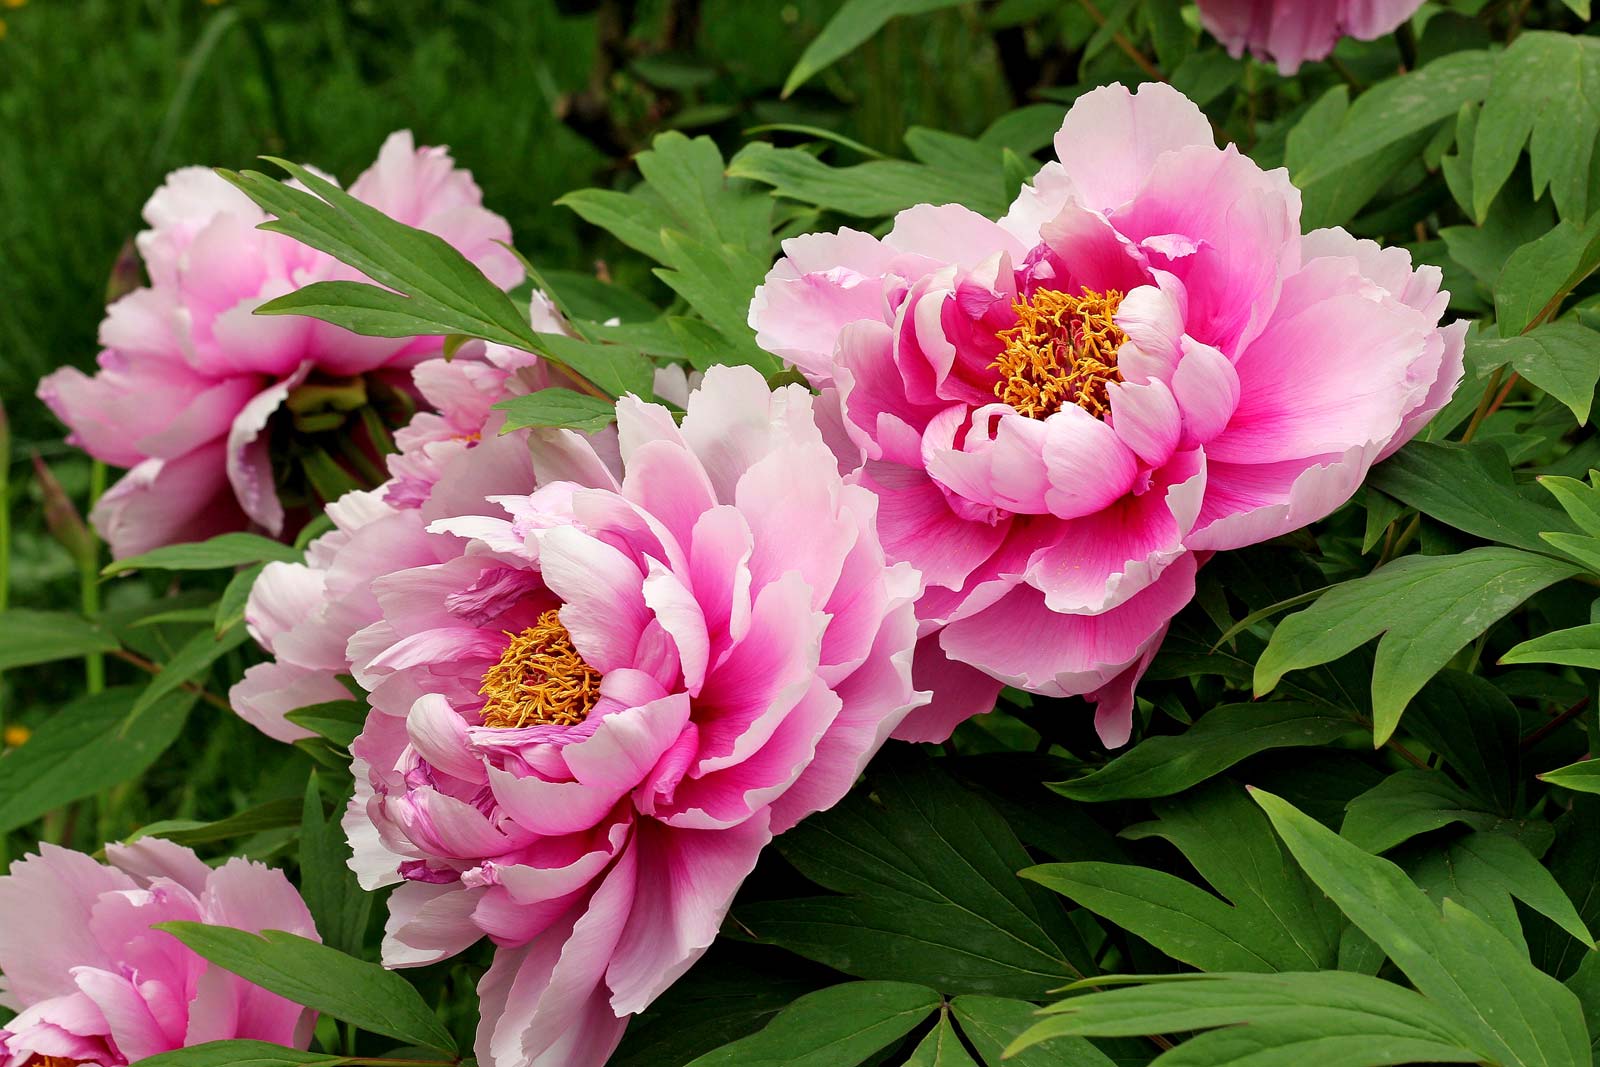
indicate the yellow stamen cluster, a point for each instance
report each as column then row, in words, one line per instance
column 1063, row 350
column 540, row 679
column 53, row 1061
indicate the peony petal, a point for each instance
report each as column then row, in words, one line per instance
column 1112, row 138
column 686, row 882
column 56, row 891
column 1087, row 464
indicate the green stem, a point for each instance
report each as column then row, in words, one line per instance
column 89, row 584
column 5, row 588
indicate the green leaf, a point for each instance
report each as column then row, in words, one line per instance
column 616, row 369
column 444, row 288
column 1513, row 1012
column 840, row 1026
column 77, row 753
column 991, row 1024
column 1272, row 918
column 1545, row 93
column 635, row 218
column 271, row 815
column 340, row 721
column 195, row 657
column 1540, row 273
column 32, row 637
column 557, row 407
column 1578, row 646
column 720, row 1000
column 224, row 550
column 1469, row 487
column 716, row 283
column 1408, row 803
column 850, row 27
column 941, row 1047
column 1581, row 501
column 1585, row 985
column 1485, row 871
column 364, row 309
column 335, row 899
column 231, row 605
column 1582, row 777
column 866, row 190
column 1279, row 1020
column 1162, row 766
column 1426, row 607
column 1558, row 357
column 1379, row 133
column 1474, row 727
column 930, row 869
column 322, row 978
column 238, row 1054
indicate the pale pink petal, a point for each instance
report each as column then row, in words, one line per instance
column 1023, row 643
column 249, row 464
column 950, row 233
column 55, row 890
column 1087, row 464
column 1125, row 133
column 163, row 502
column 428, row 923
column 150, row 858
column 1206, row 387
column 269, row 691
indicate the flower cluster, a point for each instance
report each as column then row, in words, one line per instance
column 604, row 670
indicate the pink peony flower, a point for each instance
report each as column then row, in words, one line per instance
column 95, row 985
column 1289, row 32
column 596, row 709
column 1143, row 360
column 193, row 387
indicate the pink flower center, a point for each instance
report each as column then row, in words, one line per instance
column 1063, row 350
column 541, row 680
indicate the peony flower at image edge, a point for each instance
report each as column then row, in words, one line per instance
column 94, row 984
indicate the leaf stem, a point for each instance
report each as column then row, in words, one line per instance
column 94, row 664
column 1482, row 411
column 1534, row 737
column 155, row 668
column 1139, row 58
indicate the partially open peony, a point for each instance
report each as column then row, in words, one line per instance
column 1289, row 32
column 589, row 720
column 1143, row 360
column 93, row 984
column 205, row 401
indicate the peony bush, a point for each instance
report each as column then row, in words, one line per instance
column 1110, row 585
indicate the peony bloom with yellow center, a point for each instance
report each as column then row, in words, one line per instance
column 1061, row 411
